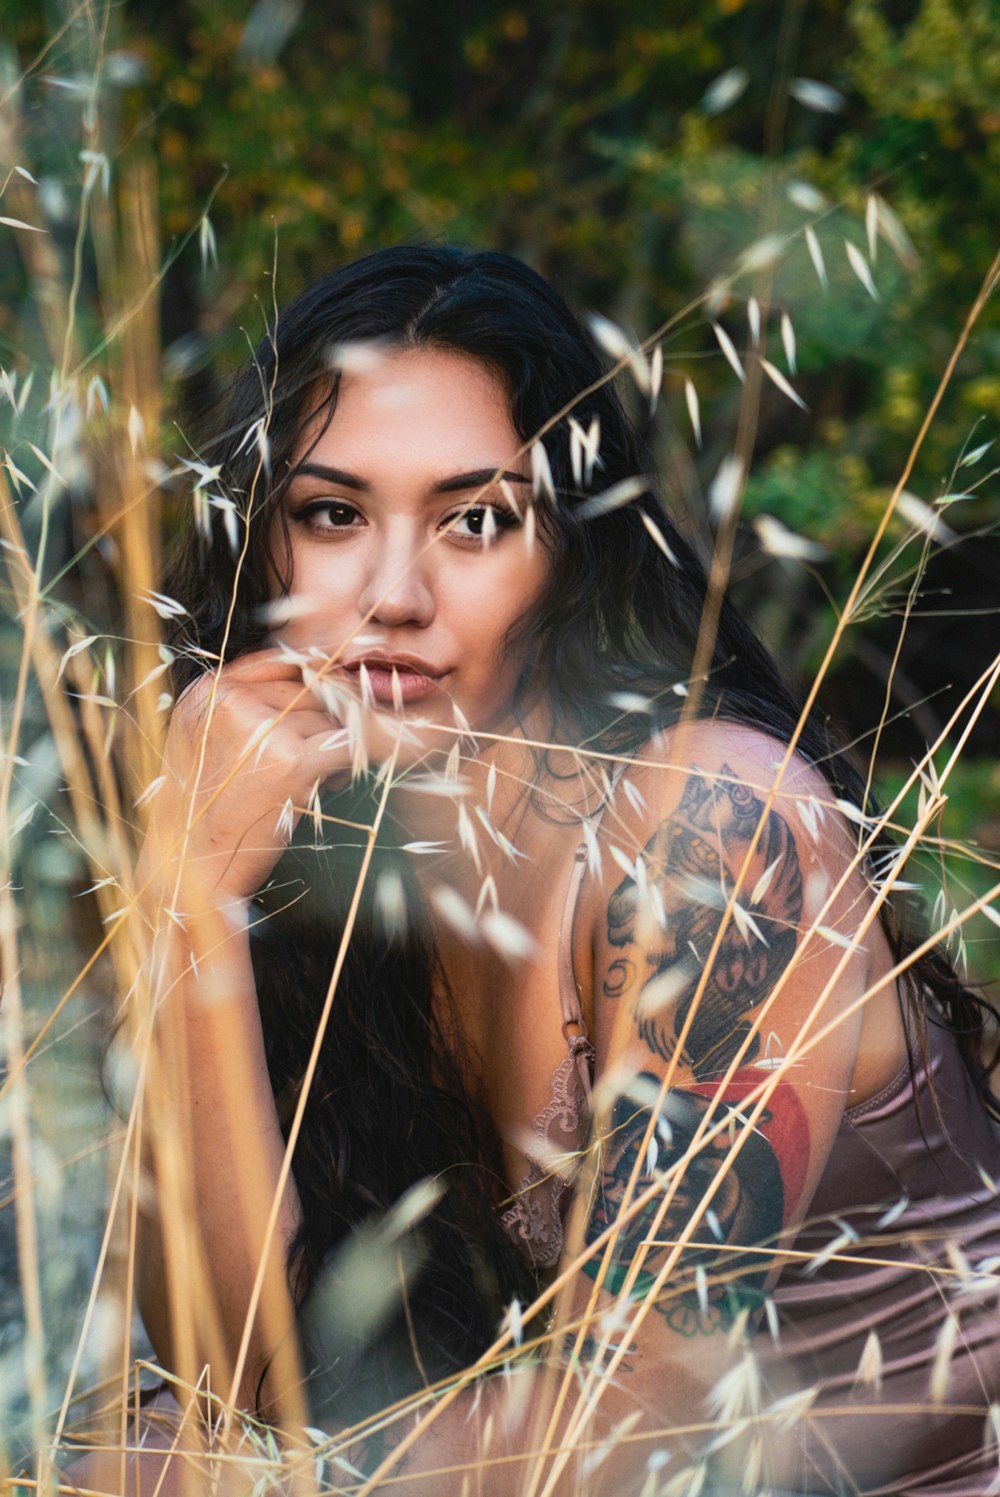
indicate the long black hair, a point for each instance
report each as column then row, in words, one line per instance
column 391, row 1104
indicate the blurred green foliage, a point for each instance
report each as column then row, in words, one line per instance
column 576, row 135
column 632, row 153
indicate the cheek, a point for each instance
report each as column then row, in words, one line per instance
column 322, row 598
column 486, row 606
column 524, row 585
column 330, row 580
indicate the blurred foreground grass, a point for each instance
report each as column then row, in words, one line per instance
column 83, row 422
column 966, row 864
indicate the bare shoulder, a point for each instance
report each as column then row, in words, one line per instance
column 742, row 786
column 764, row 764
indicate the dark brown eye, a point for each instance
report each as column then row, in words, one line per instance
column 339, row 514
column 473, row 523
column 326, row 514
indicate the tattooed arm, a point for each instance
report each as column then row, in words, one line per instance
column 706, row 971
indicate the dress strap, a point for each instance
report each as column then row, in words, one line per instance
column 574, row 1028
column 569, row 996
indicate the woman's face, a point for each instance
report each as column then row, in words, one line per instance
column 388, row 573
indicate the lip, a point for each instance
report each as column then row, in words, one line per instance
column 415, row 678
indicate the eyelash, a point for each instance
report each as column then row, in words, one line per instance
column 305, row 513
column 504, row 517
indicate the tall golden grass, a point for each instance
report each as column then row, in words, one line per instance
column 88, row 674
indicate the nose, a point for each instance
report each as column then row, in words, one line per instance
column 397, row 589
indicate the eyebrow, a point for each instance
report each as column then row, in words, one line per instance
column 478, row 478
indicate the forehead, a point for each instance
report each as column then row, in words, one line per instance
column 436, row 405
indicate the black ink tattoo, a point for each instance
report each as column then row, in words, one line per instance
column 747, row 1210
column 620, row 976
column 691, row 863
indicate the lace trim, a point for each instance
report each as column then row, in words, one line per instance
column 533, row 1221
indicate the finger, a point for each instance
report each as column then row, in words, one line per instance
column 281, row 695
column 261, row 665
column 376, row 738
column 248, row 670
column 310, row 725
column 270, row 687
column 282, row 741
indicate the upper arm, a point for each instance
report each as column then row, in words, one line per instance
column 713, row 964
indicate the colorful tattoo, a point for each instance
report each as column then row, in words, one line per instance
column 756, row 1192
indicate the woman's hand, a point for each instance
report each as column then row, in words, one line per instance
column 242, row 746
column 245, row 751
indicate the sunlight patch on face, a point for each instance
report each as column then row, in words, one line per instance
column 393, row 396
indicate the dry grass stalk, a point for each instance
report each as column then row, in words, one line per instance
column 129, row 269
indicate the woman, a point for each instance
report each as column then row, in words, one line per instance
column 591, row 870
